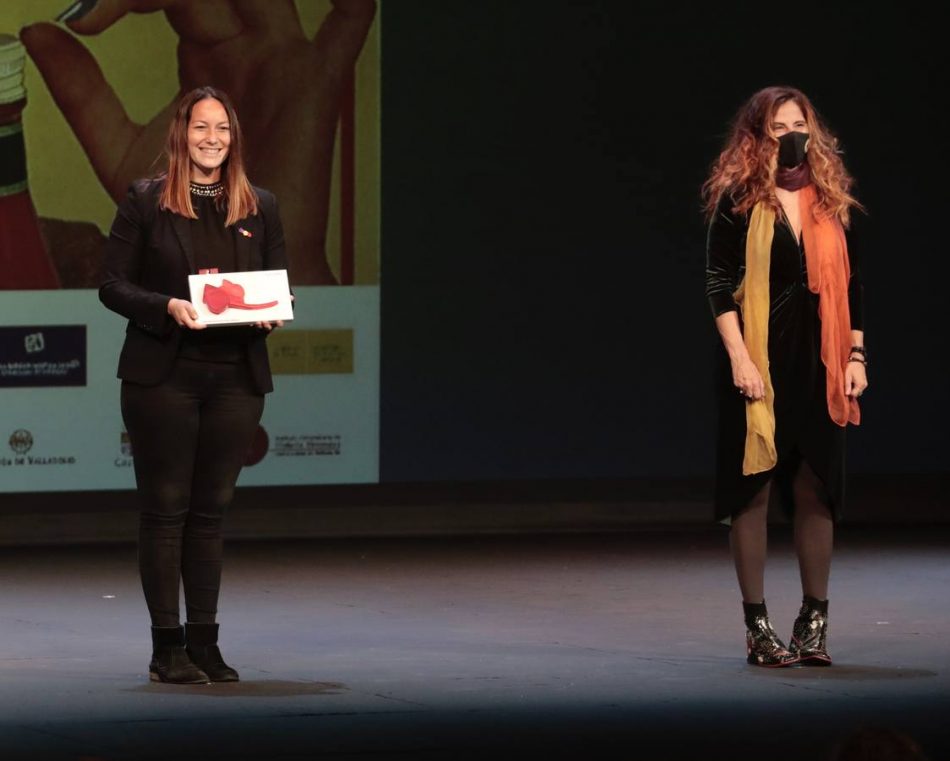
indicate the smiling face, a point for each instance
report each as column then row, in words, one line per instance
column 209, row 140
column 788, row 118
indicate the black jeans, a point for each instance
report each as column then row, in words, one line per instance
column 190, row 436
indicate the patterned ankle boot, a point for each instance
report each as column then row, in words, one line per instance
column 810, row 632
column 763, row 646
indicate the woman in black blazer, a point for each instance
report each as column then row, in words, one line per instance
column 191, row 398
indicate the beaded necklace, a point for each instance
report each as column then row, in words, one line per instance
column 207, row 191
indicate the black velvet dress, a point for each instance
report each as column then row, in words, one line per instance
column 803, row 428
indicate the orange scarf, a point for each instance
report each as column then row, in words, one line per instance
column 826, row 259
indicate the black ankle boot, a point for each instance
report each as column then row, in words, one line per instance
column 203, row 648
column 810, row 633
column 763, row 646
column 170, row 662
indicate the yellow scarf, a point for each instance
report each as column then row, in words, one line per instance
column 753, row 299
column 826, row 258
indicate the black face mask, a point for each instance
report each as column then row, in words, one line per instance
column 791, row 149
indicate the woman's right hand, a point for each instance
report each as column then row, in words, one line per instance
column 747, row 378
column 184, row 314
column 745, row 375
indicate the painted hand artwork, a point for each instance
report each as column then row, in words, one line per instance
column 257, row 52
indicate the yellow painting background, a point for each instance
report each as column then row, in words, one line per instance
column 62, row 182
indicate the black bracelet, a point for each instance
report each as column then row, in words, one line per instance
column 859, row 350
column 858, row 359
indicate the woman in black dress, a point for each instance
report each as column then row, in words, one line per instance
column 191, row 398
column 783, row 284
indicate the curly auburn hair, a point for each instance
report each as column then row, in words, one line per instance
column 745, row 170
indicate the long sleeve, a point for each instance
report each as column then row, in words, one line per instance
column 121, row 289
column 725, row 258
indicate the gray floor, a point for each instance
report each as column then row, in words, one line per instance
column 582, row 646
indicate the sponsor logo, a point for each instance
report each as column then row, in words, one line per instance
column 21, row 443
column 34, row 342
column 311, row 352
column 308, row 445
column 37, row 356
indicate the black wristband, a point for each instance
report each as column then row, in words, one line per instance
column 859, row 350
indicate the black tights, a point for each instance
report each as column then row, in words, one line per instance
column 814, row 534
column 190, row 436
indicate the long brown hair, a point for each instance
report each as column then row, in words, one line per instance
column 238, row 195
column 745, row 170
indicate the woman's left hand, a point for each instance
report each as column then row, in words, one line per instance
column 855, row 379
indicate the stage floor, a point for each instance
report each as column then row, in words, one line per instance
column 577, row 646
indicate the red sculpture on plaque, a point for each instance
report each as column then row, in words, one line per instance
column 228, row 294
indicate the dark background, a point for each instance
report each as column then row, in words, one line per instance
column 543, row 309
column 547, row 350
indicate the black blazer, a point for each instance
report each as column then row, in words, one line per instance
column 148, row 258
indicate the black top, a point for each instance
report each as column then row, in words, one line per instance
column 147, row 260
column 213, row 242
column 214, row 247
